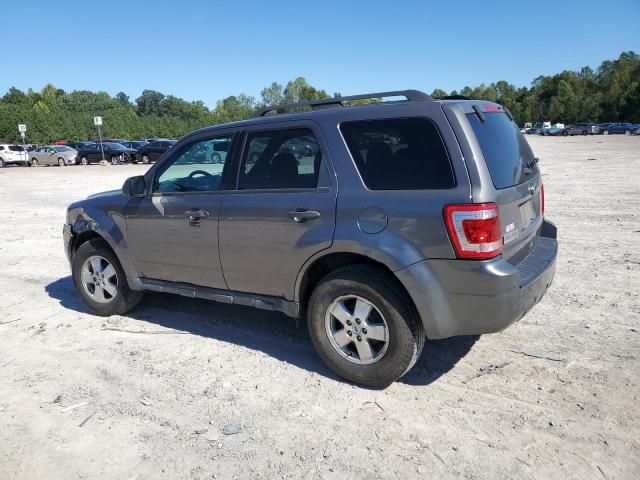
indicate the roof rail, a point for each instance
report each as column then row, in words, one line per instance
column 455, row 97
column 410, row 95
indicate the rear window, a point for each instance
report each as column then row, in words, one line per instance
column 399, row 154
column 505, row 150
column 16, row 148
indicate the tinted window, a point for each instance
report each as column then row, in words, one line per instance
column 16, row 148
column 281, row 159
column 505, row 150
column 197, row 167
column 63, row 148
column 399, row 154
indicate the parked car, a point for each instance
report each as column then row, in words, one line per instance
column 13, row 155
column 636, row 131
column 618, row 128
column 80, row 145
column 552, row 131
column 61, row 155
column 134, row 144
column 110, row 152
column 373, row 274
column 151, row 151
column 581, row 129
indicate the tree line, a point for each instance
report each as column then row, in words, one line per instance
column 610, row 93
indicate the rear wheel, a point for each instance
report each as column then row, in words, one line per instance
column 34, row 162
column 145, row 159
column 61, row 162
column 84, row 161
column 363, row 326
column 114, row 160
column 100, row 279
column 606, row 132
column 627, row 132
column 2, row 164
column 584, row 132
column 565, row 133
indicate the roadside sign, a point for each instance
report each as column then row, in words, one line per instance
column 97, row 121
column 22, row 128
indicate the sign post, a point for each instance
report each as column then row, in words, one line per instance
column 22, row 128
column 97, row 121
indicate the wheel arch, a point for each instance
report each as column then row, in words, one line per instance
column 322, row 266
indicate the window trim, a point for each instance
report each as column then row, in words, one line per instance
column 274, row 127
column 159, row 167
column 403, row 117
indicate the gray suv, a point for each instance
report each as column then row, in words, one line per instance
column 382, row 222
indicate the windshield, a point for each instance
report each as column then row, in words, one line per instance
column 509, row 158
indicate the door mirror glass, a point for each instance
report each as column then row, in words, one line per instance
column 134, row 187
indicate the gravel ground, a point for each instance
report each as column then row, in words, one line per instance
column 183, row 388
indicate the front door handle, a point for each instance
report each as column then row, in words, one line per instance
column 196, row 214
column 301, row 215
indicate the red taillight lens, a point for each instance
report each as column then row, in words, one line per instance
column 474, row 230
column 542, row 199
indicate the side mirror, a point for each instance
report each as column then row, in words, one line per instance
column 134, row 187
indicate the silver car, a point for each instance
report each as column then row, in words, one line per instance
column 53, row 155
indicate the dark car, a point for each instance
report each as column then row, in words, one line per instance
column 110, row 152
column 80, row 145
column 580, row 129
column 618, row 128
column 134, row 144
column 396, row 222
column 153, row 150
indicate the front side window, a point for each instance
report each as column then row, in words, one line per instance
column 399, row 154
column 281, row 159
column 196, row 167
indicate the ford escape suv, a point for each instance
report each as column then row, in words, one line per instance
column 383, row 224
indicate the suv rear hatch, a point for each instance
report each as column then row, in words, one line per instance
column 513, row 168
column 17, row 152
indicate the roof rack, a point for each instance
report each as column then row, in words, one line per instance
column 410, row 95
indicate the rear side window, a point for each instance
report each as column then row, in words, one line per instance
column 509, row 158
column 282, row 159
column 399, row 154
column 16, row 148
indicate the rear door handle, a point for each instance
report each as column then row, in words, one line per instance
column 301, row 215
column 196, row 214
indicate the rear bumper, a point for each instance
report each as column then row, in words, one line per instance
column 464, row 297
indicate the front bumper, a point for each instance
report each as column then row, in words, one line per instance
column 466, row 297
column 67, row 239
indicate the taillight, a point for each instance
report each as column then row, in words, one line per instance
column 474, row 229
column 542, row 199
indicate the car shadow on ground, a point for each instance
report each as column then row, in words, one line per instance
column 269, row 332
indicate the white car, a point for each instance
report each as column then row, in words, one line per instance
column 13, row 154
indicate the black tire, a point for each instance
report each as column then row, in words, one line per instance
column 565, row 133
column 145, row 159
column 2, row 164
column 584, row 132
column 61, row 162
column 606, row 132
column 124, row 300
column 405, row 331
column 114, row 160
column 84, row 161
column 35, row 162
column 627, row 132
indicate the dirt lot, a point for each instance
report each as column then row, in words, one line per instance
column 166, row 403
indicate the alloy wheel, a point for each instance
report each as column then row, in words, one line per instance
column 99, row 279
column 357, row 330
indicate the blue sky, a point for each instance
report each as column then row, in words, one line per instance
column 209, row 50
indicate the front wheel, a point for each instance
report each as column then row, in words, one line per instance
column 61, row 162
column 114, row 160
column 627, row 132
column 363, row 326
column 584, row 132
column 145, row 159
column 100, row 280
column 606, row 132
column 2, row 164
column 34, row 162
column 564, row 134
